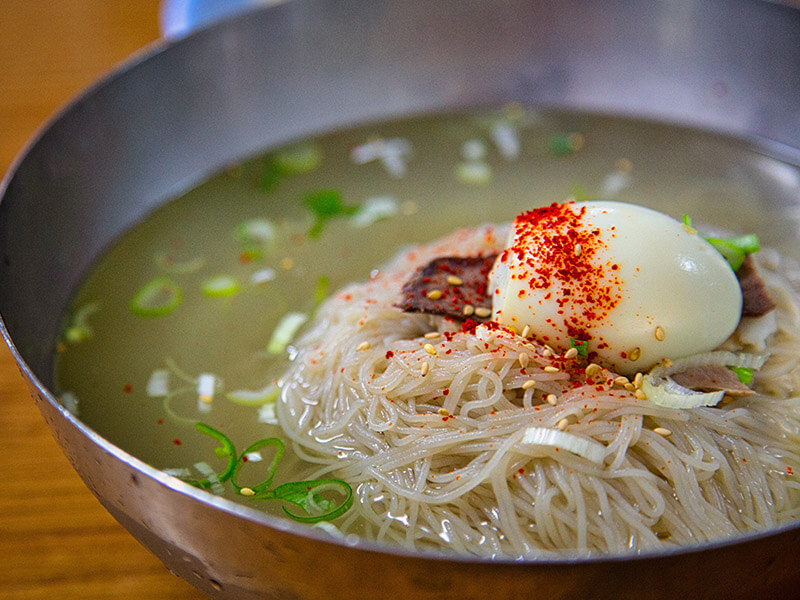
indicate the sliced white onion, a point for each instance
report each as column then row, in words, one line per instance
column 180, row 472
column 254, row 397
column 262, row 276
column 205, row 469
column 373, row 210
column 718, row 357
column 665, row 392
column 158, row 384
column 506, row 139
column 284, row 332
column 206, row 384
column 70, row 402
column 584, row 447
column 754, row 331
column 267, row 414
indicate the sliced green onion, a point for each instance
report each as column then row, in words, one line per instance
column 285, row 331
column 583, row 447
column 254, row 397
column 220, row 286
column 70, row 402
column 306, row 495
column 80, row 330
column 273, row 465
column 321, row 289
column 325, row 205
column 211, row 482
column 271, row 176
column 730, row 252
column 158, row 384
column 302, row 157
column 581, row 346
column 474, row 173
column 666, row 392
column 169, row 265
column 735, row 249
column 226, row 450
column 158, row 297
column 564, row 144
column 744, row 374
column 687, row 220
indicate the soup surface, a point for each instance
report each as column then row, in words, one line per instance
column 192, row 315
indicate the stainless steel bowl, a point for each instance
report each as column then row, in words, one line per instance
column 167, row 119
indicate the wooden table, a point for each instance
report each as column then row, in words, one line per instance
column 56, row 541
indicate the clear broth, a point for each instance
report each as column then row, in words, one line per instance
column 716, row 180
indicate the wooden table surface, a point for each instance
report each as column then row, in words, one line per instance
column 56, row 540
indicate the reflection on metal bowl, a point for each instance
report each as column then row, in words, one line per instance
column 165, row 121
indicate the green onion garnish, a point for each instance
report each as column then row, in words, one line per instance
column 220, row 286
column 158, row 297
column 580, row 345
column 744, row 374
column 326, row 205
column 564, row 144
column 302, row 157
column 226, row 451
column 321, row 289
column 284, row 332
column 273, row 466
column 733, row 249
column 306, row 495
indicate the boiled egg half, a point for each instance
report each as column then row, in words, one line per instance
column 637, row 285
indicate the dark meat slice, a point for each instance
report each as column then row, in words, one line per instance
column 443, row 275
column 711, row 379
column 755, row 299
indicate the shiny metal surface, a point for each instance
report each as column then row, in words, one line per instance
column 170, row 117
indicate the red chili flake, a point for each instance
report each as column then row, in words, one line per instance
column 520, row 471
column 245, row 459
column 446, row 391
column 128, row 388
column 389, row 354
column 177, row 442
column 160, row 421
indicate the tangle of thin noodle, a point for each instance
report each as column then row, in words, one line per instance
column 437, row 460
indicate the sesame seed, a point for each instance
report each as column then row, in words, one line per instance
column 571, row 353
column 432, row 335
column 206, row 399
column 666, row 363
column 468, row 310
column 550, row 369
column 435, row 294
column 523, row 359
column 429, row 349
column 629, row 386
column 552, row 399
column 593, row 369
column 660, row 334
column 662, row 431
column 547, row 353
column 363, row 346
column 635, row 354
column 453, row 280
column 423, row 368
column 577, row 141
column 690, row 230
column 526, row 331
column 528, row 384
column 640, row 395
column 562, row 424
column 246, row 491
column 444, row 412
column 621, row 380
column 482, row 311
column 287, row 263
column 578, row 249
column 637, row 380
column 512, row 329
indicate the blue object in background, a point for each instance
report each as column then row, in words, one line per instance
column 180, row 17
